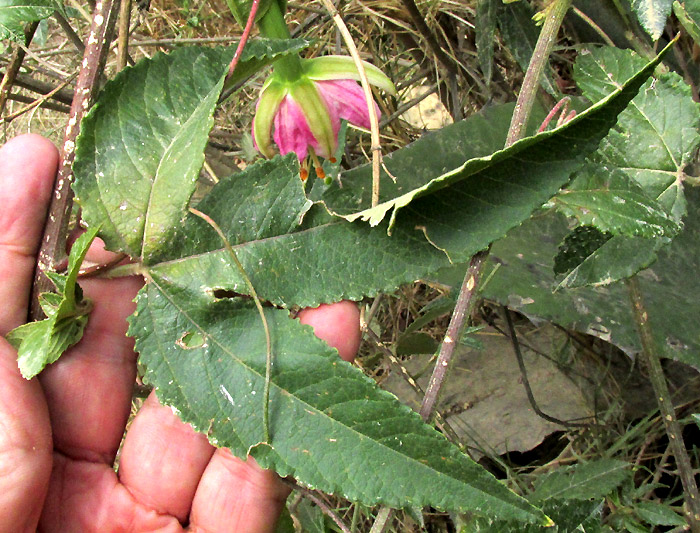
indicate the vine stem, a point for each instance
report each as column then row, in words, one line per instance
column 554, row 15
column 263, row 319
column 373, row 119
column 663, row 398
column 53, row 243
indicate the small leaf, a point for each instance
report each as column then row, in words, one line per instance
column 618, row 205
column 41, row 343
column 585, row 481
column 658, row 514
column 577, row 247
column 14, row 14
column 652, row 14
column 617, row 258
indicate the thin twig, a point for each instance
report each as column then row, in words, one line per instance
column 27, row 82
column 123, row 34
column 663, row 398
column 311, row 495
column 8, row 79
column 526, row 381
column 445, row 60
column 69, row 31
column 47, row 104
column 263, row 319
column 53, row 243
column 373, row 119
column 554, row 15
column 382, row 520
column 440, row 421
column 38, row 101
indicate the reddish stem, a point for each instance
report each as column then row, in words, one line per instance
column 244, row 37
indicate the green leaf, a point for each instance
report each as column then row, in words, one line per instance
column 141, row 147
column 485, row 30
column 617, row 205
column 652, row 14
column 525, row 282
column 569, row 516
column 469, row 206
column 41, row 343
column 585, row 481
column 330, row 426
column 240, row 9
column 14, row 14
column 658, row 514
column 651, row 145
column 617, row 258
column 688, row 13
column 656, row 136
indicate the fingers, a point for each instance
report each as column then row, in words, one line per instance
column 162, row 452
column 338, row 324
column 27, row 169
column 237, row 495
column 25, row 446
column 89, row 390
column 28, row 166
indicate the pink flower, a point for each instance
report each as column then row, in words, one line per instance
column 305, row 113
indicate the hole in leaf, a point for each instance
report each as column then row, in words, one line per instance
column 190, row 340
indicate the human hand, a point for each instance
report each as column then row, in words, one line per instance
column 59, row 435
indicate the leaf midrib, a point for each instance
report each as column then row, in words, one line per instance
column 183, row 128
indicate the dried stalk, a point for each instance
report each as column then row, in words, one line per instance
column 373, row 119
column 53, row 244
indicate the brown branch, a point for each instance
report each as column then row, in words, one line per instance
column 69, row 31
column 53, row 243
column 27, row 82
column 37, row 102
column 463, row 308
column 8, row 79
column 47, row 104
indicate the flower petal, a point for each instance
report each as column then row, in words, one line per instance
column 292, row 133
column 265, row 112
column 344, row 68
column 321, row 117
column 348, row 98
